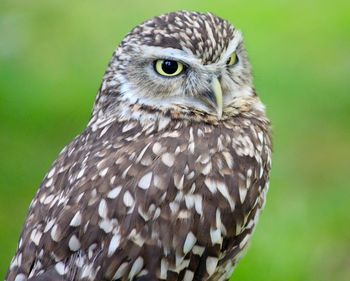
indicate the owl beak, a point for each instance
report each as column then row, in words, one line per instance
column 217, row 90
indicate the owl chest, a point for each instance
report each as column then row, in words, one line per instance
column 208, row 177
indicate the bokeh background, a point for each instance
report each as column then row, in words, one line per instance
column 53, row 55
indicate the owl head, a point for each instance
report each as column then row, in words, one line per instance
column 182, row 61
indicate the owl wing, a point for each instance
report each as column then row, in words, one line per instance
column 124, row 201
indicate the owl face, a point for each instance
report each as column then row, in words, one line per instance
column 188, row 60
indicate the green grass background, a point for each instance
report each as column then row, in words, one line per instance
column 53, row 55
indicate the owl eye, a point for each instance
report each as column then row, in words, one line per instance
column 169, row 68
column 232, row 60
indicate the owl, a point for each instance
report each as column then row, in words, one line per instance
column 169, row 177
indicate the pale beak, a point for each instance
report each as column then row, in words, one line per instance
column 216, row 86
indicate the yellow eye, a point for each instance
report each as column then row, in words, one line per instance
column 169, row 68
column 232, row 60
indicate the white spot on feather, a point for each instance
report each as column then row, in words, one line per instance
column 55, row 234
column 128, row 127
column 142, row 153
column 120, row 271
column 103, row 172
column 102, row 209
column 20, row 277
column 224, row 191
column 126, row 171
column 128, row 199
column 163, row 269
column 51, row 173
column 242, row 193
column 106, row 225
column 88, row 272
column 112, row 180
column 81, row 173
column 220, row 144
column 74, row 243
column 207, row 169
column 91, row 250
column 261, row 137
column 190, row 241
column 188, row 275
column 198, row 250
column 215, row 236
column 198, row 204
column 76, row 220
column 244, row 241
column 228, row 158
column 211, row 264
column 211, row 184
column 35, row 236
column 168, row 159
column 49, row 182
column 174, row 207
column 156, row 214
column 190, row 175
column 191, row 147
column 136, row 268
column 189, row 200
column 114, row 244
column 157, row 148
column 48, row 199
column 179, row 181
column 49, row 225
column 19, row 259
column 145, row 181
column 105, row 129
column 60, row 268
column 163, row 122
column 191, row 139
column 114, row 192
column 184, row 214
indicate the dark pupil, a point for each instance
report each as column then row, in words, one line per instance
column 169, row 66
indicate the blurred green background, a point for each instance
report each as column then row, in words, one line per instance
column 54, row 53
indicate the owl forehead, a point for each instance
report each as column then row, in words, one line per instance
column 203, row 35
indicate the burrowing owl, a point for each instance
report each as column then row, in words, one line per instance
column 169, row 177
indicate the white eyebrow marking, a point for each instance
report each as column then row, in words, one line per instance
column 169, row 53
column 237, row 39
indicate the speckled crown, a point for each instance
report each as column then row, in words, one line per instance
column 204, row 34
